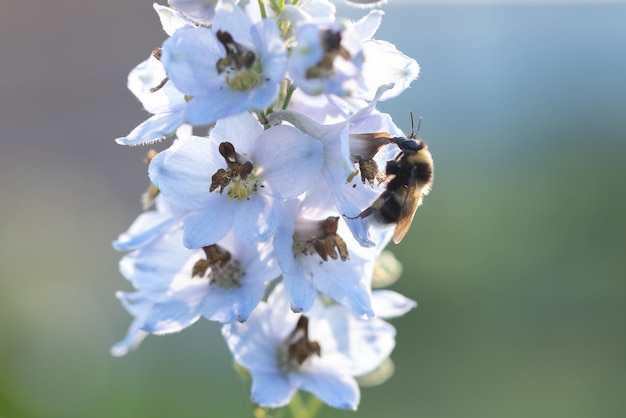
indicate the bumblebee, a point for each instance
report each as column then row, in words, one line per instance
column 408, row 178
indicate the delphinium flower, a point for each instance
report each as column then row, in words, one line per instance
column 261, row 213
column 317, row 253
column 328, row 59
column 320, row 352
column 176, row 285
column 148, row 81
column 236, row 178
column 230, row 68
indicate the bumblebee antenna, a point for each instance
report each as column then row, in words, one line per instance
column 415, row 132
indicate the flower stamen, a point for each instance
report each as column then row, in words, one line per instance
column 320, row 237
column 156, row 53
column 331, row 43
column 297, row 348
column 237, row 176
column 363, row 148
column 238, row 63
column 219, row 267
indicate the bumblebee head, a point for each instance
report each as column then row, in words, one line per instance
column 408, row 145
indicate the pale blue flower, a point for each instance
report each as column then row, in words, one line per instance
column 148, row 82
column 339, row 164
column 272, row 194
column 175, row 286
column 340, row 347
column 319, row 64
column 233, row 67
column 279, row 163
column 328, row 59
column 317, row 253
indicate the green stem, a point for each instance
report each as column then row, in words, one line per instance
column 290, row 91
column 314, row 406
column 262, row 115
column 297, row 408
column 262, row 7
column 300, row 409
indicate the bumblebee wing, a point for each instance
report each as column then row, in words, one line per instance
column 411, row 202
column 367, row 145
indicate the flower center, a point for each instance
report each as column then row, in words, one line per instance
column 297, row 348
column 237, row 64
column 331, row 42
column 320, row 237
column 237, row 178
column 219, row 267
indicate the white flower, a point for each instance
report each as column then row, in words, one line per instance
column 175, row 286
column 149, row 83
column 320, row 353
column 339, row 161
column 328, row 59
column 233, row 67
column 397, row 68
column 317, row 253
column 236, row 178
column 276, row 193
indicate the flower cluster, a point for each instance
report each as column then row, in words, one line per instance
column 262, row 214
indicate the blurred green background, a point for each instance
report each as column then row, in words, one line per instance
column 517, row 259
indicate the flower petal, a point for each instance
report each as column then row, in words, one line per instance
column 201, row 11
column 344, row 282
column 398, row 69
column 153, row 129
column 171, row 19
column 183, row 172
column 301, row 289
column 252, row 343
column 241, row 130
column 338, row 391
column 290, row 159
column 189, row 58
column 363, row 343
column 179, row 308
column 256, row 218
column 203, row 228
column 390, row 304
column 272, row 390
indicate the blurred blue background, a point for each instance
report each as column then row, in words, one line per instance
column 517, row 258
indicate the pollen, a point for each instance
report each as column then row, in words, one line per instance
column 370, row 172
column 239, row 189
column 243, row 81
